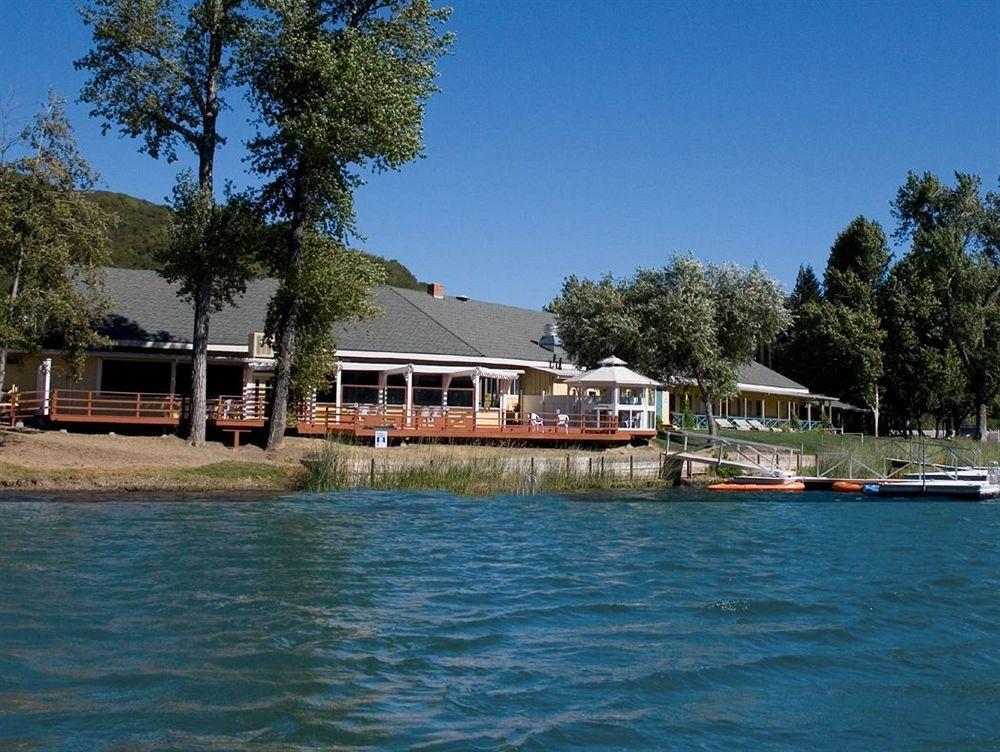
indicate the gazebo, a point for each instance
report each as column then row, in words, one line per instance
column 614, row 389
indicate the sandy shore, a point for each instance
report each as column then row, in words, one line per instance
column 55, row 460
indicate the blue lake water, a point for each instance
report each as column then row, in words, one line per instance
column 389, row 621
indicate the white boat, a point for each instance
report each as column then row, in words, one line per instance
column 949, row 488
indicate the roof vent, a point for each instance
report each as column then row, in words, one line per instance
column 435, row 290
column 551, row 340
column 463, row 298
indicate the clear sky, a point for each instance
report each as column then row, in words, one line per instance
column 585, row 137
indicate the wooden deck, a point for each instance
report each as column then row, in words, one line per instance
column 320, row 419
column 237, row 413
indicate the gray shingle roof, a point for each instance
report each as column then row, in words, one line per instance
column 146, row 307
column 761, row 375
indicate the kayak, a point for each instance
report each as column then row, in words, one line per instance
column 793, row 486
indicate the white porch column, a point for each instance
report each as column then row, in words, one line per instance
column 445, row 385
column 339, row 388
column 173, row 376
column 809, row 412
column 383, row 383
column 408, row 416
column 763, row 406
column 746, row 409
column 475, row 399
column 43, row 383
column 666, row 407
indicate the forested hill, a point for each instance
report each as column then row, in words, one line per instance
column 142, row 225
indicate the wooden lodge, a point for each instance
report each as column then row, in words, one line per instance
column 431, row 367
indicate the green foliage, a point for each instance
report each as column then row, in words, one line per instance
column 158, row 68
column 51, row 239
column 221, row 243
column 857, row 265
column 331, row 284
column 595, row 319
column 807, row 289
column 140, row 228
column 339, row 90
column 954, row 239
column 684, row 322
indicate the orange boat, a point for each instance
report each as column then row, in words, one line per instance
column 792, row 486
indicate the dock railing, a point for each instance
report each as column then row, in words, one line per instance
column 735, row 453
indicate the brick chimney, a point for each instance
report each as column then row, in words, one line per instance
column 435, row 289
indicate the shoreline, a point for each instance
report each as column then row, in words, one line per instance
column 52, row 462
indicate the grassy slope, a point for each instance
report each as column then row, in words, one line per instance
column 218, row 476
column 142, row 227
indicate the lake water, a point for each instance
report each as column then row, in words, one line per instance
column 394, row 621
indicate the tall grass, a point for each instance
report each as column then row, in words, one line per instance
column 335, row 468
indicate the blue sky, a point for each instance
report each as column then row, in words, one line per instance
column 585, row 137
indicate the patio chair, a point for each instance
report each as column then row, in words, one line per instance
column 562, row 421
column 535, row 421
column 758, row 426
column 742, row 424
column 724, row 423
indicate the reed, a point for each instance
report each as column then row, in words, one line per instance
column 337, row 467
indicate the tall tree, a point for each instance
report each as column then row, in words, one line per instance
column 955, row 227
column 857, row 265
column 685, row 322
column 807, row 289
column 158, row 71
column 340, row 87
column 601, row 320
column 52, row 243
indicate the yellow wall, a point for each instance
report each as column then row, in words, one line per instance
column 775, row 406
column 24, row 374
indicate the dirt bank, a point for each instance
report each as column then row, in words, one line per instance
column 54, row 460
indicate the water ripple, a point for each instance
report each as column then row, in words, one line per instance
column 422, row 621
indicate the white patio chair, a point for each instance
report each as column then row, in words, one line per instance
column 756, row 425
column 724, row 423
column 535, row 421
column 562, row 421
column 742, row 424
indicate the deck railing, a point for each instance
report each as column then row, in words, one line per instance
column 115, row 407
column 236, row 409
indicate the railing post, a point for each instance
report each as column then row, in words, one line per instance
column 138, row 408
column 90, row 403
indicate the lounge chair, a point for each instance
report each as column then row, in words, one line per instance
column 724, row 423
column 756, row 425
column 742, row 425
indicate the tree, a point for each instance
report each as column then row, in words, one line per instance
column 231, row 234
column 340, row 88
column 857, row 265
column 807, row 289
column 52, row 244
column 923, row 373
column 834, row 345
column 158, row 70
column 601, row 321
column 685, row 323
column 955, row 228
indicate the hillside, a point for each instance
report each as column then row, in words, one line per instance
column 142, row 226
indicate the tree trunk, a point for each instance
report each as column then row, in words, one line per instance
column 199, row 360
column 285, row 334
column 713, row 430
column 206, row 184
column 981, row 424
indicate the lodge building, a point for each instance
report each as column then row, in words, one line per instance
column 431, row 366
